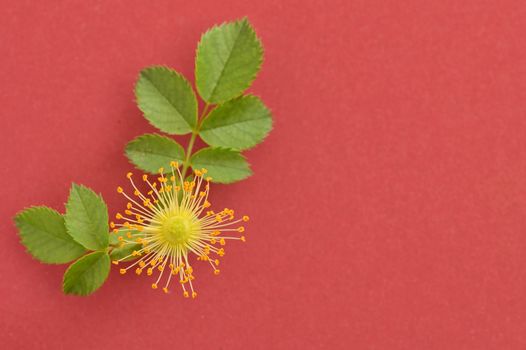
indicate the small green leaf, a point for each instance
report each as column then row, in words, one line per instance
column 123, row 232
column 113, row 238
column 167, row 100
column 150, row 152
column 125, row 251
column 119, row 251
column 228, row 59
column 87, row 274
column 43, row 233
column 240, row 124
column 223, row 165
column 87, row 218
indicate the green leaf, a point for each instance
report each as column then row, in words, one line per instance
column 240, row 124
column 167, row 100
column 223, row 165
column 87, row 218
column 150, row 152
column 43, row 233
column 228, row 58
column 119, row 251
column 124, row 251
column 123, row 232
column 87, row 274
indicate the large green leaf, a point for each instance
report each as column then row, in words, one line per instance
column 87, row 218
column 241, row 123
column 87, row 274
column 228, row 59
column 167, row 100
column 43, row 233
column 150, row 152
column 223, row 165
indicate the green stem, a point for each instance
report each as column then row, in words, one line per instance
column 189, row 153
column 195, row 132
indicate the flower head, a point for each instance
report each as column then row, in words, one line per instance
column 170, row 223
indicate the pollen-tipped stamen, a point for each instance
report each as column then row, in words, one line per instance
column 169, row 226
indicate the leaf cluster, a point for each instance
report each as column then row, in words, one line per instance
column 228, row 58
column 80, row 235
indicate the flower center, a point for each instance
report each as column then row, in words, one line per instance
column 178, row 229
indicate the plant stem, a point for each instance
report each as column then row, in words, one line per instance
column 189, row 153
column 195, row 132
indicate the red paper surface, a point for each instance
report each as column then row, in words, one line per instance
column 387, row 205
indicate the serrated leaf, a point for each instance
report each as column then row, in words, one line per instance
column 87, row 218
column 150, row 152
column 167, row 100
column 87, row 274
column 240, row 124
column 223, row 165
column 228, row 59
column 43, row 233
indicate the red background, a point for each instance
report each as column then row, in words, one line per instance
column 387, row 205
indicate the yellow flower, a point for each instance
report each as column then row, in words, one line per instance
column 171, row 224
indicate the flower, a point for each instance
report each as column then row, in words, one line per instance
column 168, row 226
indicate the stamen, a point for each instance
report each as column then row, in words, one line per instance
column 155, row 217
